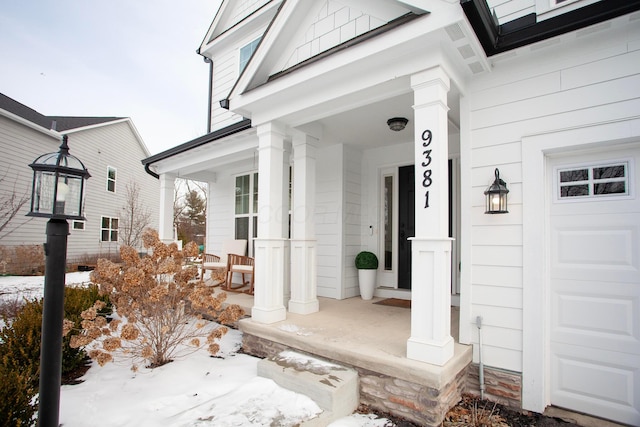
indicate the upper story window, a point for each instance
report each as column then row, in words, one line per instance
column 111, row 179
column 593, row 181
column 246, row 52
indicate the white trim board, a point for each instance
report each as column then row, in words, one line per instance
column 536, row 282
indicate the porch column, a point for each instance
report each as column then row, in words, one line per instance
column 303, row 244
column 270, row 245
column 431, row 339
column 167, row 194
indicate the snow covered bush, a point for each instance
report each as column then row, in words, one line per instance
column 159, row 304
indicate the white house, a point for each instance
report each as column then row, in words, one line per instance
column 109, row 147
column 301, row 161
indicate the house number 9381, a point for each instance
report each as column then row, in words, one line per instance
column 427, row 136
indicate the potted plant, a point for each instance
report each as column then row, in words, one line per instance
column 367, row 265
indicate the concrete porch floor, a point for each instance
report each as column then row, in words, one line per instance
column 361, row 334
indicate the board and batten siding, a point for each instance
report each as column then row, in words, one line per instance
column 588, row 80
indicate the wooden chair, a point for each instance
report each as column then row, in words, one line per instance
column 219, row 263
column 242, row 265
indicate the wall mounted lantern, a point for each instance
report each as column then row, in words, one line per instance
column 397, row 123
column 57, row 194
column 496, row 196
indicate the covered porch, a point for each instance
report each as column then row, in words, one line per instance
column 371, row 338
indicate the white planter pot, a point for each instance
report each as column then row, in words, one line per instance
column 367, row 282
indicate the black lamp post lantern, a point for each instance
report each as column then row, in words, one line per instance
column 57, row 194
column 496, row 201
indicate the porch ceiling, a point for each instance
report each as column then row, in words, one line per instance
column 366, row 126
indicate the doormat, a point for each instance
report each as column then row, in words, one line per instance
column 395, row 302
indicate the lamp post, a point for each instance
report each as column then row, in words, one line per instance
column 57, row 194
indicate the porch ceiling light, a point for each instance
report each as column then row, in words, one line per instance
column 496, row 196
column 397, row 123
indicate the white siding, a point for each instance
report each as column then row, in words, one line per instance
column 226, row 70
column 328, row 217
column 352, row 201
column 552, row 89
column 508, row 10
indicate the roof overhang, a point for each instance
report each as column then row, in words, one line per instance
column 497, row 38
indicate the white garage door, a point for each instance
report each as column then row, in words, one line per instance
column 595, row 284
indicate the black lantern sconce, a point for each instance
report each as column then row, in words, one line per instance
column 57, row 194
column 496, row 196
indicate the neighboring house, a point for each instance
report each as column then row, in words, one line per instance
column 547, row 91
column 109, row 147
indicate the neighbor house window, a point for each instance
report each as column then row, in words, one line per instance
column 246, row 211
column 111, row 179
column 593, row 181
column 78, row 225
column 246, row 52
column 109, row 229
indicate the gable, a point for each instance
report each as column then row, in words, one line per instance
column 230, row 14
column 306, row 28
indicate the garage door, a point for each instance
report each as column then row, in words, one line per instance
column 595, row 284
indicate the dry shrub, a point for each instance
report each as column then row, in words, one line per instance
column 160, row 306
column 24, row 260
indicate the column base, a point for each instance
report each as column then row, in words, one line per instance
column 304, row 307
column 436, row 353
column 268, row 315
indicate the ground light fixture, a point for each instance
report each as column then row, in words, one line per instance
column 397, row 123
column 496, row 196
column 57, row 193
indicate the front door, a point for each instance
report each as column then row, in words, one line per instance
column 406, row 223
column 595, row 284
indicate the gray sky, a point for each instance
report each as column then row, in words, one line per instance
column 125, row 58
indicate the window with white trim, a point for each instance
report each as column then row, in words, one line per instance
column 246, row 52
column 246, row 211
column 109, row 229
column 77, row 225
column 111, row 179
column 593, row 181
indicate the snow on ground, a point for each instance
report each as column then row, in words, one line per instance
column 198, row 390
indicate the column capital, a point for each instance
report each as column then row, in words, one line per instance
column 430, row 77
column 271, row 128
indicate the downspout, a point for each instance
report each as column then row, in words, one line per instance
column 481, row 366
column 209, row 110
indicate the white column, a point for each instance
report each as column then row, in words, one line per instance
column 431, row 339
column 270, row 245
column 167, row 194
column 303, row 244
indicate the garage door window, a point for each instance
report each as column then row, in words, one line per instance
column 593, row 181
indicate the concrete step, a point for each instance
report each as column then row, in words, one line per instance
column 333, row 387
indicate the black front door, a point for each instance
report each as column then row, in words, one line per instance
column 406, row 223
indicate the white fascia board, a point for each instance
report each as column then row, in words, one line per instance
column 333, row 72
column 215, row 153
column 254, row 21
column 27, row 123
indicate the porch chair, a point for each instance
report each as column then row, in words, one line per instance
column 242, row 265
column 219, row 263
